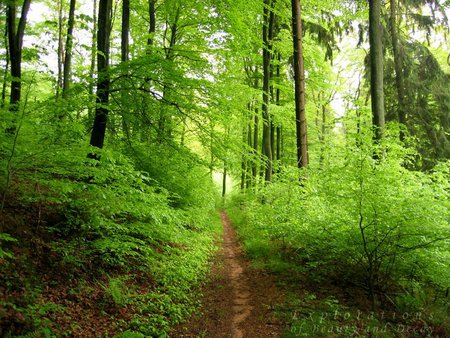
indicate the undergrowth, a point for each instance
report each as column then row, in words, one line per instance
column 99, row 247
column 371, row 234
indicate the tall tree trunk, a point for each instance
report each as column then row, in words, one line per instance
column 245, row 140
column 15, row 40
column 152, row 26
column 376, row 67
column 103, row 81
column 398, row 64
column 124, row 57
column 93, row 56
column 255, row 145
column 277, row 102
column 266, row 138
column 164, row 127
column 68, row 52
column 299, row 79
column 224, row 180
column 250, row 144
column 125, row 43
column 6, row 69
column 60, row 51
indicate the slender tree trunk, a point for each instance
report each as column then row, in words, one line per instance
column 93, row 57
column 245, row 139
column 164, row 127
column 250, row 144
column 103, row 82
column 376, row 67
column 243, row 171
column 68, row 52
column 277, row 102
column 255, row 145
column 266, row 138
column 6, row 69
column 398, row 64
column 224, row 181
column 125, row 49
column 152, row 26
column 322, row 136
column 60, row 47
column 299, row 78
column 124, row 57
column 15, row 40
column 211, row 149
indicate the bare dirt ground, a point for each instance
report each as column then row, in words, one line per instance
column 238, row 300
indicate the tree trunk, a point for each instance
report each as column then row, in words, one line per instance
column 93, row 57
column 15, row 40
column 68, row 52
column 250, row 144
column 398, row 64
column 60, row 48
column 125, row 43
column 255, row 145
column 124, row 57
column 224, row 181
column 103, row 82
column 299, row 79
column 164, row 126
column 376, row 67
column 152, row 27
column 266, row 138
column 277, row 102
column 243, row 165
column 6, row 69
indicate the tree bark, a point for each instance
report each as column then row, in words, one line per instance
column 266, row 138
column 224, row 181
column 6, row 69
column 250, row 144
column 15, row 40
column 164, row 125
column 124, row 57
column 103, row 81
column 125, row 43
column 93, row 56
column 60, row 48
column 376, row 68
column 299, row 79
column 398, row 64
column 68, row 52
column 255, row 145
column 277, row 102
column 152, row 26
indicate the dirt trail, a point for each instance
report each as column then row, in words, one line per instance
column 238, row 300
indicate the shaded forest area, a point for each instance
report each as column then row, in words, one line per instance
column 326, row 124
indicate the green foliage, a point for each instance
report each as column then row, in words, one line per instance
column 178, row 275
column 124, row 213
column 8, row 239
column 361, row 221
column 117, row 290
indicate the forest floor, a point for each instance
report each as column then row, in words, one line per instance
column 238, row 299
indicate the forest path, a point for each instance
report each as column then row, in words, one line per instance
column 237, row 300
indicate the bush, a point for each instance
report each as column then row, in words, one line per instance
column 370, row 222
